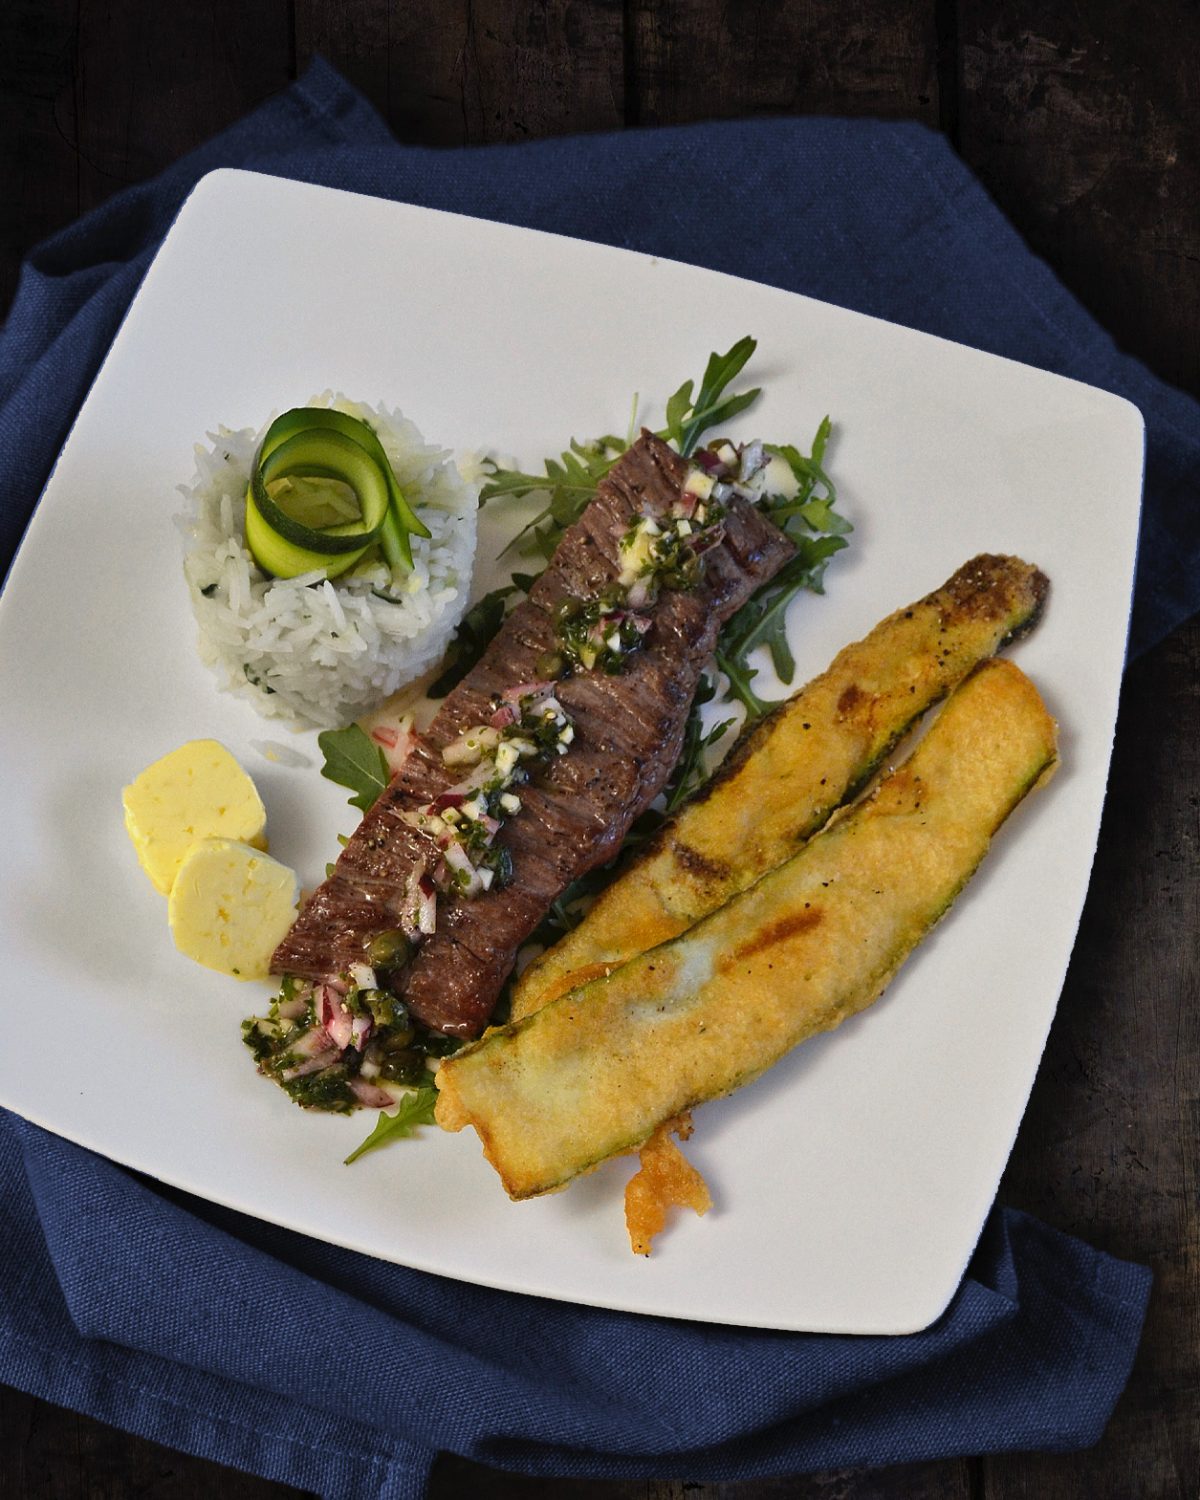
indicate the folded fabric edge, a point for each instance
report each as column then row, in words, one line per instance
column 856, row 1431
column 1063, row 1282
column 1124, row 1287
column 50, row 1374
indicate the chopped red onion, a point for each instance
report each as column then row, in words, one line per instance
column 685, row 506
column 313, row 1065
column 753, row 458
column 292, row 1010
column 315, row 1040
column 479, row 776
column 707, row 539
column 524, row 690
column 460, row 862
column 334, row 1016
column 360, row 1030
column 399, row 753
column 369, row 1095
column 425, row 892
column 457, row 857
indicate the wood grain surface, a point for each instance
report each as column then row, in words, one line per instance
column 1084, row 124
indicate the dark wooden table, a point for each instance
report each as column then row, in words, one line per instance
column 1084, row 123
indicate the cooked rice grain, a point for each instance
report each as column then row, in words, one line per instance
column 308, row 649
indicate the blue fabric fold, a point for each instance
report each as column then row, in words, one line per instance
column 256, row 1347
column 879, row 217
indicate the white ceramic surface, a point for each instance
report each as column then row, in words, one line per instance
column 851, row 1182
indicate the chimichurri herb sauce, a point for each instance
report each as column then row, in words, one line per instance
column 657, row 552
column 295, row 1044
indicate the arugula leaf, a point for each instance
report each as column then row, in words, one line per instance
column 820, row 440
column 473, row 636
column 738, row 674
column 690, row 770
column 688, row 774
column 762, row 620
column 815, row 510
column 720, row 370
column 678, row 407
column 353, row 759
column 572, row 906
column 570, row 480
column 415, row 1109
column 714, row 416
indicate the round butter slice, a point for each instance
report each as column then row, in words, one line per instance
column 231, row 906
column 196, row 792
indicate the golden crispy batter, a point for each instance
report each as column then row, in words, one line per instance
column 665, row 1179
column 598, row 1071
column 783, row 781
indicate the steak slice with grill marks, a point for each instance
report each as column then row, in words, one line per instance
column 576, row 810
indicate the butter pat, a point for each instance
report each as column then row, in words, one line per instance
column 196, row 792
column 231, row 906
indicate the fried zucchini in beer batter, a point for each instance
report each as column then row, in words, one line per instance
column 599, row 1070
column 783, row 780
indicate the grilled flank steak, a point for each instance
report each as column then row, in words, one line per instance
column 575, row 808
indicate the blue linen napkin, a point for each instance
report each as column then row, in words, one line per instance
column 256, row 1347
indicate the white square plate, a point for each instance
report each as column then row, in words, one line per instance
column 852, row 1181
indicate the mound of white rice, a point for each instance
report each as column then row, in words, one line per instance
column 308, row 649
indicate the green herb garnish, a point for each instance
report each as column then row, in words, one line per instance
column 688, row 419
column 810, row 518
column 812, row 522
column 354, row 760
column 691, row 771
column 762, row 621
column 416, row 1109
column 570, row 480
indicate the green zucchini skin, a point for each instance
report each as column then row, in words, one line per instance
column 595, row 1072
column 783, row 781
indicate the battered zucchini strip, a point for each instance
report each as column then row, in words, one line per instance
column 798, row 766
column 595, row 1072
